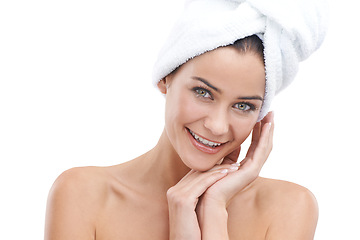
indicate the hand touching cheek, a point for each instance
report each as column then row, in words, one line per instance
column 261, row 145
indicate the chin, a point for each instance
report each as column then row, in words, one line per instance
column 200, row 163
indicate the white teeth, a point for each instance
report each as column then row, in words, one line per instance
column 204, row 141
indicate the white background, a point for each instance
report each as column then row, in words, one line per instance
column 75, row 90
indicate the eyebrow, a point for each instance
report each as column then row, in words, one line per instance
column 207, row 83
column 219, row 91
column 252, row 98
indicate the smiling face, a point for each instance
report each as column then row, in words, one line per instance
column 212, row 104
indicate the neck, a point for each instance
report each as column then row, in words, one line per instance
column 162, row 167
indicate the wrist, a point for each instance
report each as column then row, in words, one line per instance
column 211, row 202
column 213, row 218
column 211, row 209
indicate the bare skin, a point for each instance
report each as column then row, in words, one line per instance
column 141, row 211
column 182, row 188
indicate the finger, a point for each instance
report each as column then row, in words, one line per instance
column 261, row 144
column 268, row 118
column 271, row 135
column 268, row 127
column 254, row 140
column 188, row 180
column 202, row 182
column 187, row 176
column 220, row 161
column 264, row 146
column 229, row 166
column 257, row 132
column 192, row 174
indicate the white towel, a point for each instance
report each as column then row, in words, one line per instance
column 290, row 29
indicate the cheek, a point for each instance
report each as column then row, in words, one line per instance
column 173, row 107
column 243, row 129
column 183, row 109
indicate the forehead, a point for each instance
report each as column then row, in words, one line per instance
column 229, row 70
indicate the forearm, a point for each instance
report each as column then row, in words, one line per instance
column 183, row 225
column 213, row 219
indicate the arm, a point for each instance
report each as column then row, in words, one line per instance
column 212, row 207
column 182, row 202
column 197, row 204
column 213, row 219
column 71, row 207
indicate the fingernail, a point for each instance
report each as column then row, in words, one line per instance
column 236, row 164
column 224, row 171
column 272, row 114
column 234, row 168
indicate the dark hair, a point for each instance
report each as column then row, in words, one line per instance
column 250, row 44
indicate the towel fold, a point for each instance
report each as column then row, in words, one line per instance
column 290, row 30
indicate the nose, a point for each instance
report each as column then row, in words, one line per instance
column 217, row 122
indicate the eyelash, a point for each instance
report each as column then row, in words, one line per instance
column 198, row 94
column 251, row 107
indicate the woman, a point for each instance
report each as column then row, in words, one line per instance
column 190, row 185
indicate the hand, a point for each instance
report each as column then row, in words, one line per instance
column 223, row 190
column 183, row 199
column 219, row 184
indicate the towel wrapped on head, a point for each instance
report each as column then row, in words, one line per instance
column 290, row 30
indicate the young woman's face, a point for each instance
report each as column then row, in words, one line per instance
column 212, row 104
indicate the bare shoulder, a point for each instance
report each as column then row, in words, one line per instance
column 292, row 209
column 80, row 182
column 74, row 201
column 279, row 192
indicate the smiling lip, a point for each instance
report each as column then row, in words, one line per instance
column 202, row 147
